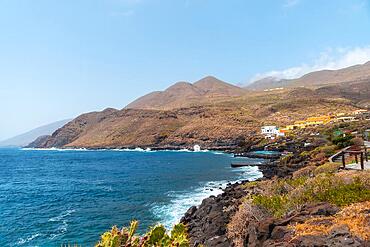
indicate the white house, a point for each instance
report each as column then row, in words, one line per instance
column 271, row 131
column 196, row 148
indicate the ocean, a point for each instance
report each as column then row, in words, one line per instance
column 51, row 197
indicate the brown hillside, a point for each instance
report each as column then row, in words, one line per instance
column 316, row 79
column 76, row 128
column 184, row 94
column 213, row 87
column 222, row 124
column 213, row 113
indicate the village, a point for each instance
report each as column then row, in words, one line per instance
column 273, row 131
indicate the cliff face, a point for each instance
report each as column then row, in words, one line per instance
column 75, row 128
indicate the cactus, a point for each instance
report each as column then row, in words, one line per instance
column 155, row 237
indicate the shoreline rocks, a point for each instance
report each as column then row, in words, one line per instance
column 207, row 223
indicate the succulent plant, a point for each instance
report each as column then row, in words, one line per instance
column 157, row 236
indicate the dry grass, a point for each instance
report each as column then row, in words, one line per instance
column 355, row 216
column 327, row 168
column 244, row 219
column 307, row 171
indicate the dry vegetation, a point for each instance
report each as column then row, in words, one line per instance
column 356, row 217
column 285, row 195
column 245, row 218
column 279, row 198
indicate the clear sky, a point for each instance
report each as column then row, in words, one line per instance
column 59, row 59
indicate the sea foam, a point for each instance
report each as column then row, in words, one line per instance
column 181, row 201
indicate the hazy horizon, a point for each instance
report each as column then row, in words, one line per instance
column 61, row 59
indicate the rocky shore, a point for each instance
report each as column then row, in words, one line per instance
column 207, row 224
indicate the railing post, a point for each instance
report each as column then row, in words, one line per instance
column 362, row 161
column 366, row 158
column 343, row 160
column 356, row 159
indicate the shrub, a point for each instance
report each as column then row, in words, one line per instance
column 320, row 156
column 336, row 189
column 343, row 141
column 244, row 219
column 307, row 171
column 324, row 151
column 156, row 236
column 329, row 150
column 286, row 158
column 275, row 205
column 327, row 168
column 357, row 141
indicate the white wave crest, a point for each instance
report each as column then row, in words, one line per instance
column 171, row 213
column 62, row 215
column 22, row 241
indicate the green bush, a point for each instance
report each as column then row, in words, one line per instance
column 275, row 205
column 343, row 142
column 335, row 190
column 338, row 190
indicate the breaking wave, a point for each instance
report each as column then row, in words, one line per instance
column 171, row 213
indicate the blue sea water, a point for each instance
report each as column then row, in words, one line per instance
column 51, row 197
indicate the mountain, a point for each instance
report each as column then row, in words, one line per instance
column 265, row 83
column 26, row 138
column 219, row 125
column 317, row 79
column 213, row 87
column 73, row 129
column 213, row 113
column 183, row 94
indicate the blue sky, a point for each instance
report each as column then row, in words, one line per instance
column 59, row 59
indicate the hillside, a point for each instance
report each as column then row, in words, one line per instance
column 317, row 79
column 184, row 94
column 220, row 125
column 26, row 138
column 72, row 130
column 213, row 113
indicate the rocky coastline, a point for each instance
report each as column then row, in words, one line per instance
column 207, row 222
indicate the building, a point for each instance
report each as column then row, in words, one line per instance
column 346, row 119
column 311, row 121
column 314, row 121
column 271, row 131
column 360, row 111
column 299, row 125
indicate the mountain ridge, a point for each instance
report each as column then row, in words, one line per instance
column 319, row 78
column 26, row 138
column 209, row 112
column 183, row 94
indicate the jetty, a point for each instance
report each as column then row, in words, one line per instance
column 241, row 164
